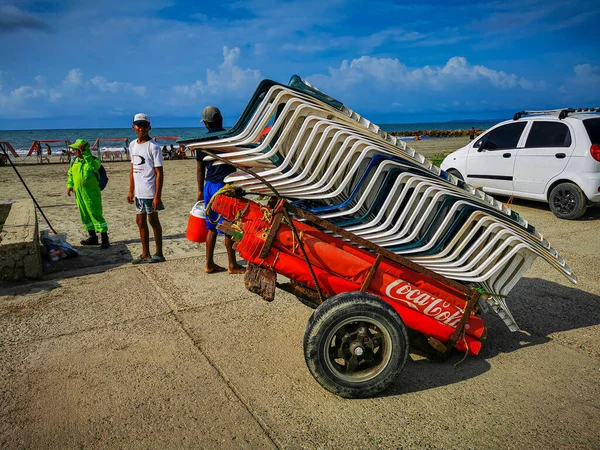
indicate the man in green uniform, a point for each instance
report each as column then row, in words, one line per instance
column 85, row 181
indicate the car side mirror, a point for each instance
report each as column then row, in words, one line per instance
column 481, row 146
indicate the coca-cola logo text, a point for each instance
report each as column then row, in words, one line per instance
column 441, row 310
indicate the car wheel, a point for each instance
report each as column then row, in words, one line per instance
column 355, row 345
column 567, row 201
column 456, row 173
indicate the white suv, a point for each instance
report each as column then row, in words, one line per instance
column 550, row 156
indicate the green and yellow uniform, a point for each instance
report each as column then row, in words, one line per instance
column 85, row 181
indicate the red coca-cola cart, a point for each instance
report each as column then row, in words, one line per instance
column 367, row 300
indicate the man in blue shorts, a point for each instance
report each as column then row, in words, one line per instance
column 210, row 179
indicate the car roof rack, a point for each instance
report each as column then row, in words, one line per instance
column 562, row 112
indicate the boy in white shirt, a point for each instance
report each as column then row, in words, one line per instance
column 145, row 187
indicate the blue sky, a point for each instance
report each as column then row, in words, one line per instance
column 87, row 64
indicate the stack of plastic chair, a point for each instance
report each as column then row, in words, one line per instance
column 336, row 164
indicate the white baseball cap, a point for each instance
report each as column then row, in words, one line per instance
column 141, row 117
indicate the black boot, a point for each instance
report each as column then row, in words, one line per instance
column 92, row 240
column 105, row 243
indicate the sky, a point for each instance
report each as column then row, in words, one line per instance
column 94, row 64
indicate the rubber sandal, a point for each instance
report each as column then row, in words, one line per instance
column 140, row 260
column 156, row 258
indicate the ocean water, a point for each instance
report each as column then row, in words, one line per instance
column 21, row 140
column 454, row 125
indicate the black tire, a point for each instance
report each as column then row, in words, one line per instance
column 567, row 201
column 456, row 173
column 346, row 324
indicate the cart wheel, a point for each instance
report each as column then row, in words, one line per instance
column 355, row 344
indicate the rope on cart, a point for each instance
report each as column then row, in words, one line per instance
column 236, row 227
column 270, row 266
column 484, row 292
column 283, row 204
column 267, row 216
column 242, row 213
column 224, row 189
column 464, row 339
column 295, row 244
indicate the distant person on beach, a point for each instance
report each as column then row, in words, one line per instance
column 210, row 179
column 38, row 152
column 165, row 153
column 48, row 149
column 172, row 152
column 84, row 180
column 145, row 187
column 40, row 155
column 181, row 152
column 472, row 133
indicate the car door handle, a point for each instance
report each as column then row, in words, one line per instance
column 560, row 155
column 506, row 155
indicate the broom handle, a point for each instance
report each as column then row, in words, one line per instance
column 30, row 194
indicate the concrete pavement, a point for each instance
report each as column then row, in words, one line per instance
column 165, row 356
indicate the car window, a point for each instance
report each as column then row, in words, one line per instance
column 592, row 127
column 503, row 137
column 548, row 134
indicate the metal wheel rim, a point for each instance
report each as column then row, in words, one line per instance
column 564, row 201
column 366, row 369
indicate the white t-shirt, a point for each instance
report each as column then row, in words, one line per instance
column 144, row 158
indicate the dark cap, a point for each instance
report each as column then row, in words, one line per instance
column 211, row 114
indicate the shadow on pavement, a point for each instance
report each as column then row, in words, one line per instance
column 170, row 237
column 94, row 256
column 592, row 213
column 91, row 256
column 19, row 288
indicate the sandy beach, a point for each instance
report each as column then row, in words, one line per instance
column 47, row 183
column 104, row 354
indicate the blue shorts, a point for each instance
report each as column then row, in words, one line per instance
column 209, row 190
column 144, row 206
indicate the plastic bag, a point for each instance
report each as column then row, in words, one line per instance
column 57, row 245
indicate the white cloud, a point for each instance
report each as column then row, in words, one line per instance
column 392, row 72
column 116, row 86
column 458, row 69
column 55, row 95
column 380, row 86
column 586, row 73
column 74, row 77
column 21, row 101
column 583, row 86
column 27, row 92
column 228, row 79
